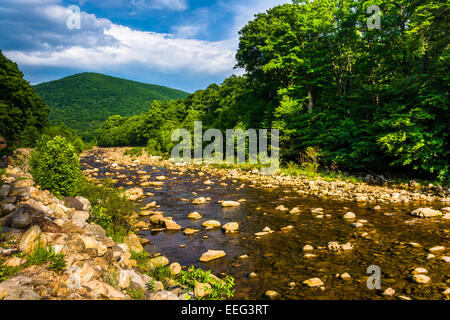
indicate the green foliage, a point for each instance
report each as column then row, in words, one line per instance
column 161, row 273
column 7, row 272
column 55, row 166
column 134, row 152
column 83, row 101
column 136, row 294
column 23, row 114
column 41, row 255
column 110, row 208
column 220, row 288
column 2, row 173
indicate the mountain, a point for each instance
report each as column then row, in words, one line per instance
column 84, row 101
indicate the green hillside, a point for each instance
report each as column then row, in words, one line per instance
column 84, row 101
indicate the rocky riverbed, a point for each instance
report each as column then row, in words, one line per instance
column 286, row 237
column 280, row 237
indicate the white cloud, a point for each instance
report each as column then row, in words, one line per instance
column 150, row 50
column 39, row 38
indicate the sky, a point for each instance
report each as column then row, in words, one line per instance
column 183, row 44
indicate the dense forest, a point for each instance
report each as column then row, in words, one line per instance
column 23, row 114
column 84, row 101
column 366, row 98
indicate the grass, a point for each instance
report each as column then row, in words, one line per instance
column 136, row 294
column 134, row 152
column 41, row 255
column 142, row 260
column 2, row 172
column 7, row 272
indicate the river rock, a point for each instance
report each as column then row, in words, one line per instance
column 231, row 227
column 12, row 283
column 4, row 191
column 346, row 276
column 272, row 294
column 160, row 261
column 31, row 239
column 313, row 282
column 133, row 243
column 426, row 213
column 389, row 292
column 162, row 295
column 230, row 203
column 421, row 278
column 211, row 223
column 189, row 231
column 156, row 218
column 175, row 268
column 419, row 271
column 100, row 289
column 202, row 289
column 200, row 200
column 79, row 218
column 194, row 215
column 90, row 242
column 171, row 225
column 212, row 255
column 349, row 216
column 307, row 248
column 436, row 249
column 14, row 262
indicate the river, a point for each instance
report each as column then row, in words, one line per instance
column 389, row 238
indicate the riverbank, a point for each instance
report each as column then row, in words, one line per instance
column 50, row 250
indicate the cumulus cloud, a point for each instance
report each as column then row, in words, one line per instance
column 100, row 43
column 35, row 35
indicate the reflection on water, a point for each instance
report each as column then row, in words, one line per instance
column 277, row 258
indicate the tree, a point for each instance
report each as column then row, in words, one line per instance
column 22, row 111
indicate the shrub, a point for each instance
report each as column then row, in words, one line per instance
column 310, row 159
column 55, row 166
column 220, row 288
column 110, row 208
column 134, row 152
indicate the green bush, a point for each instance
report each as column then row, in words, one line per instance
column 134, row 152
column 55, row 166
column 220, row 288
column 110, row 208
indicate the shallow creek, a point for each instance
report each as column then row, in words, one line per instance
column 277, row 258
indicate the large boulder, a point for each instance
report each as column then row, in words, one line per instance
column 230, row 227
column 212, row 255
column 21, row 218
column 133, row 243
column 32, row 239
column 426, row 213
column 100, row 289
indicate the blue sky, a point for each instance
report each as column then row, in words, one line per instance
column 184, row 44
